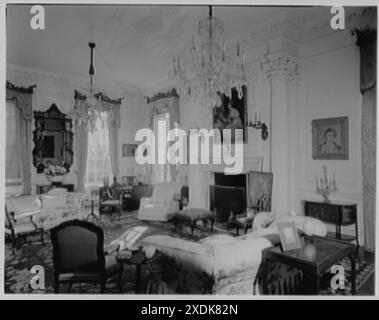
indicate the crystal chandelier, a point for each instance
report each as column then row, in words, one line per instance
column 207, row 70
column 88, row 108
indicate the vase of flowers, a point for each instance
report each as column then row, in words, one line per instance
column 55, row 173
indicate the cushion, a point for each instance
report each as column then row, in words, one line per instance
column 75, row 199
column 23, row 204
column 263, row 220
column 54, row 201
column 218, row 239
column 318, row 226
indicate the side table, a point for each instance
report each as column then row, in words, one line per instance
column 138, row 259
column 328, row 252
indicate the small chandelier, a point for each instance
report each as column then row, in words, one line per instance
column 206, row 71
column 88, row 108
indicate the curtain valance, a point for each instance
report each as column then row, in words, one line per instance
column 366, row 41
column 23, row 97
column 111, row 106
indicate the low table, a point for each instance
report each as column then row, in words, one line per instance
column 138, row 259
column 328, row 253
column 192, row 215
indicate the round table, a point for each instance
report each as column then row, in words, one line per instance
column 138, row 259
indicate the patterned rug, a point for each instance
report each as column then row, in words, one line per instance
column 363, row 269
column 18, row 275
column 17, row 267
column 282, row 279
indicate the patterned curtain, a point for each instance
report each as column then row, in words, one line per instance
column 23, row 100
column 366, row 41
column 81, row 151
column 113, row 110
column 160, row 103
column 81, row 146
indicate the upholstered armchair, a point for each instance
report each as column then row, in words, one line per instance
column 110, row 199
column 78, row 255
column 163, row 203
column 18, row 229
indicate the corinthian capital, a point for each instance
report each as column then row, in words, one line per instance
column 282, row 68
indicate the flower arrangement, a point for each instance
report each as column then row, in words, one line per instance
column 324, row 186
column 52, row 171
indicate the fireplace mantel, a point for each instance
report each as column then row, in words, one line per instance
column 252, row 163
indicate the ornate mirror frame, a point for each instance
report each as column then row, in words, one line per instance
column 52, row 120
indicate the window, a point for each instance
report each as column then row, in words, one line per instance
column 98, row 160
column 162, row 171
column 13, row 152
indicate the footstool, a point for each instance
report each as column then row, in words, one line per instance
column 192, row 215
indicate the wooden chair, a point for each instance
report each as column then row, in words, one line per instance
column 19, row 229
column 110, row 199
column 78, row 255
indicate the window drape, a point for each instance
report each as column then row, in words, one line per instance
column 113, row 122
column 81, row 152
column 112, row 108
column 366, row 41
column 23, row 100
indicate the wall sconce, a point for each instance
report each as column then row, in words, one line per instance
column 259, row 125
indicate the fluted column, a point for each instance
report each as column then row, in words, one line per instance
column 283, row 73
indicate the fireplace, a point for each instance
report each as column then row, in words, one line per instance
column 228, row 195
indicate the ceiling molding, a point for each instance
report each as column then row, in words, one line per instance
column 286, row 27
column 75, row 81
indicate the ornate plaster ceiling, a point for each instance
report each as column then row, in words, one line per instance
column 134, row 44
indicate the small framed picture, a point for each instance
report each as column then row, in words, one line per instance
column 330, row 139
column 129, row 150
column 288, row 236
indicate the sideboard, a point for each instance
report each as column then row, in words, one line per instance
column 334, row 213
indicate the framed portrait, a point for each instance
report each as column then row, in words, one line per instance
column 231, row 113
column 330, row 139
column 289, row 237
column 129, row 150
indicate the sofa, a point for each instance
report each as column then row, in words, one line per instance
column 229, row 263
column 162, row 205
column 48, row 210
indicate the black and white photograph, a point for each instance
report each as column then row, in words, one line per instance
column 114, row 183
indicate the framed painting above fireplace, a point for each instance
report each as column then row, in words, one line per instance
column 231, row 113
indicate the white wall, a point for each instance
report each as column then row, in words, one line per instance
column 132, row 119
column 330, row 88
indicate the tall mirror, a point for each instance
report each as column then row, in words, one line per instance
column 53, row 139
